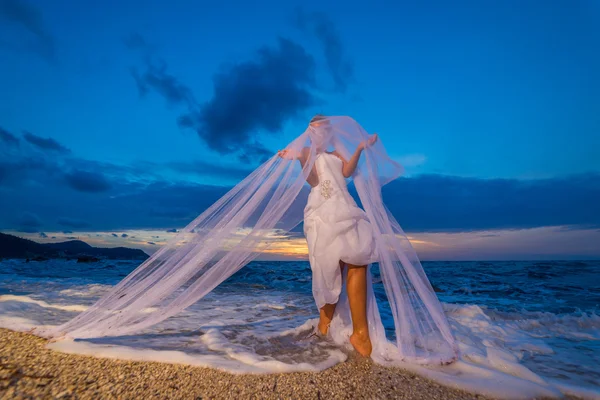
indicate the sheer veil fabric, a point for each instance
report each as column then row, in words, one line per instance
column 246, row 221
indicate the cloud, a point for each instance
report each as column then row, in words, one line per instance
column 29, row 222
column 72, row 223
column 430, row 203
column 172, row 230
column 566, row 228
column 124, row 235
column 43, row 235
column 257, row 95
column 260, row 94
column 152, row 243
column 445, row 203
column 146, row 196
column 31, row 179
column 28, row 230
column 255, row 151
column 339, row 65
column 45, row 143
column 171, row 212
column 24, row 15
column 8, row 138
column 157, row 79
column 87, row 181
column 115, row 235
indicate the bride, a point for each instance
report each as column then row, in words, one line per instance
column 344, row 242
column 338, row 234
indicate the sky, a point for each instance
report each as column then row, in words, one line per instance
column 119, row 123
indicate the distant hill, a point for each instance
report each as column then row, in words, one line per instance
column 15, row 247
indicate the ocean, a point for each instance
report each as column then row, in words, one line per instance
column 544, row 315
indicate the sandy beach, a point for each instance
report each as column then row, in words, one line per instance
column 29, row 370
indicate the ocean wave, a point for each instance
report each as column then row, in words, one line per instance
column 41, row 303
column 530, row 338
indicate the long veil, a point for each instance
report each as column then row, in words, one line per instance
column 246, row 221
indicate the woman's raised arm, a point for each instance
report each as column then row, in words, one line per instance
column 351, row 164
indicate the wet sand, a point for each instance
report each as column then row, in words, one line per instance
column 29, row 370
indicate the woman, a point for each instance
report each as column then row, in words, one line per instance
column 338, row 235
column 268, row 205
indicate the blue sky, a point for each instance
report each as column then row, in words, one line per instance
column 120, row 118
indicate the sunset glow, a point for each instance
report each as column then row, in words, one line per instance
column 546, row 242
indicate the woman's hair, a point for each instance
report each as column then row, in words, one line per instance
column 318, row 117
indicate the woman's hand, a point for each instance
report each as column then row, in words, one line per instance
column 369, row 142
column 350, row 166
column 286, row 154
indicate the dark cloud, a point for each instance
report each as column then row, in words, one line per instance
column 71, row 237
column 138, row 197
column 115, row 235
column 28, row 165
column 172, row 230
column 43, row 235
column 157, row 79
column 28, row 230
column 423, row 203
column 443, row 203
column 87, row 181
column 34, row 180
column 320, row 25
column 152, row 243
column 45, row 143
column 255, row 151
column 8, row 138
column 258, row 95
column 21, row 170
column 171, row 213
column 124, row 235
column 29, row 222
column 26, row 16
column 67, row 232
column 72, row 223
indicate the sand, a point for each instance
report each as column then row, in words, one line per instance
column 29, row 370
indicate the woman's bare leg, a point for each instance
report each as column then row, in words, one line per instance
column 326, row 315
column 326, row 312
column 356, row 286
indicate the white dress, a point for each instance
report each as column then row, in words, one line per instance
column 335, row 229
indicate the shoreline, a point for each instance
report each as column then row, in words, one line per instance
column 29, row 370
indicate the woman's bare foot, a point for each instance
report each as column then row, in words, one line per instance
column 362, row 344
column 323, row 326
